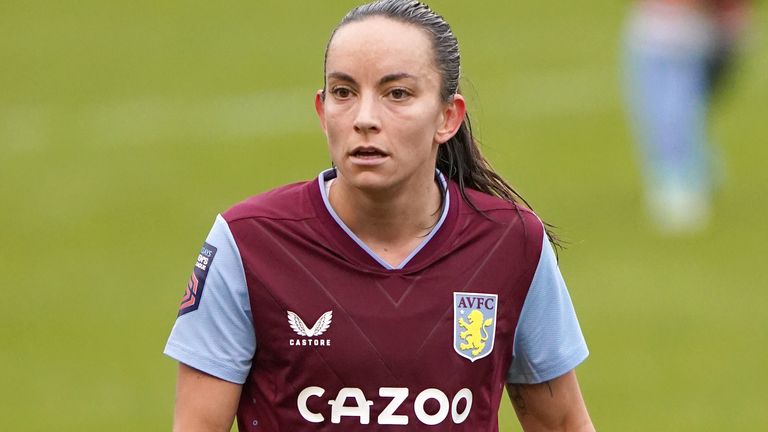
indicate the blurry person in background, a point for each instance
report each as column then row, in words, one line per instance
column 677, row 52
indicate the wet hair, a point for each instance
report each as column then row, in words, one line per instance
column 459, row 158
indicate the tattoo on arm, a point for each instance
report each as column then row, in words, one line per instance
column 518, row 401
column 515, row 394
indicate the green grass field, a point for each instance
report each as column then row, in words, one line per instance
column 126, row 126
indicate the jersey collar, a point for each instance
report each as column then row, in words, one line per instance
column 330, row 174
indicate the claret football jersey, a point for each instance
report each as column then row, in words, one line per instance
column 326, row 336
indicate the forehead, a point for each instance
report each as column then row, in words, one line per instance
column 379, row 44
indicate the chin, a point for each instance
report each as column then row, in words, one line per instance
column 368, row 180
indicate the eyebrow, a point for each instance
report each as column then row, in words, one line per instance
column 395, row 77
column 384, row 80
column 341, row 76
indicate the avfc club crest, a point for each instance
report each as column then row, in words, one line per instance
column 474, row 324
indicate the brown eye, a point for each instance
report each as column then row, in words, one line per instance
column 341, row 92
column 398, row 94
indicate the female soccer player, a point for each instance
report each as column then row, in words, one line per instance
column 402, row 289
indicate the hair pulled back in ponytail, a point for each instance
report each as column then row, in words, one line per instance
column 459, row 158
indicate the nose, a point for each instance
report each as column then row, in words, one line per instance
column 367, row 118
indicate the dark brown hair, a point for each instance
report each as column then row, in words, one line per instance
column 459, row 158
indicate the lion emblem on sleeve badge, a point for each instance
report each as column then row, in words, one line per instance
column 474, row 324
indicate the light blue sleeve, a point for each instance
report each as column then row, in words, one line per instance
column 218, row 337
column 548, row 340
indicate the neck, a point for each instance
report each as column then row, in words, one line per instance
column 389, row 219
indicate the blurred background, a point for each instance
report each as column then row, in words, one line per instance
column 125, row 127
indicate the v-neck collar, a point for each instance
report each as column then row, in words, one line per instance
column 330, row 174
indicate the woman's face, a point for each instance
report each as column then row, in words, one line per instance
column 382, row 112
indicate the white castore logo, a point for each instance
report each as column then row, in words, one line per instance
column 321, row 326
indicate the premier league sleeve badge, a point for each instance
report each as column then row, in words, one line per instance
column 474, row 324
column 194, row 291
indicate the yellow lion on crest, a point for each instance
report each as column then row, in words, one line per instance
column 473, row 335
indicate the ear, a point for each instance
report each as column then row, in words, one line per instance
column 320, row 108
column 451, row 118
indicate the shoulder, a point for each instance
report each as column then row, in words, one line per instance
column 289, row 202
column 497, row 218
column 498, row 209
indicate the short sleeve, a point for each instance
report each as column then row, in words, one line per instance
column 548, row 340
column 214, row 329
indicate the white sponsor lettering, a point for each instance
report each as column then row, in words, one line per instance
column 302, row 404
column 465, row 394
column 362, row 409
column 421, row 399
column 360, row 406
column 398, row 395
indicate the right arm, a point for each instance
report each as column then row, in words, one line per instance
column 213, row 339
column 204, row 403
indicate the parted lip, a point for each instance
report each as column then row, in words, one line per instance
column 361, row 150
